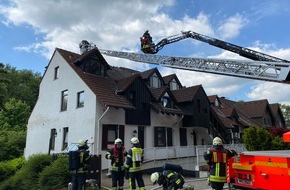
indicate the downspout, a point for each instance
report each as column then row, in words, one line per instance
column 175, row 135
column 97, row 136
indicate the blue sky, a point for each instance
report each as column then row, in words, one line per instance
column 29, row 33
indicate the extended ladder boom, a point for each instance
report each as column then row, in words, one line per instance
column 242, row 51
column 260, row 70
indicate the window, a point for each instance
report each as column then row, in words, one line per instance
column 155, row 81
column 64, row 98
column 53, row 134
column 133, row 97
column 56, row 73
column 65, row 138
column 163, row 136
column 166, row 101
column 216, row 103
column 174, row 85
column 110, row 133
column 80, row 99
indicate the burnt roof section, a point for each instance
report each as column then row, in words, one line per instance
column 118, row 73
column 89, row 55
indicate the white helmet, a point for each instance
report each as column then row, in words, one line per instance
column 217, row 141
column 118, row 141
column 82, row 142
column 154, row 177
column 134, row 140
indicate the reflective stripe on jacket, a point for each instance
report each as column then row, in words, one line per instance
column 134, row 159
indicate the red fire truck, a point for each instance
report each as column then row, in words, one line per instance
column 263, row 170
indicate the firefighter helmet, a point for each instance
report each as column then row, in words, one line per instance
column 154, row 177
column 82, row 142
column 217, row 141
column 118, row 141
column 134, row 140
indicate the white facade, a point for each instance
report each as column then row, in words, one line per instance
column 85, row 122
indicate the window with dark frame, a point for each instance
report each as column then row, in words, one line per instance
column 163, row 136
column 64, row 99
column 155, row 81
column 174, row 85
column 110, row 133
column 65, row 138
column 56, row 73
column 53, row 134
column 80, row 99
column 167, row 102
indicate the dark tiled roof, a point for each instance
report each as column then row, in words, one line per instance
column 212, row 98
column 227, row 122
column 168, row 78
column 254, row 109
column 244, row 118
column 148, row 73
column 158, row 92
column 186, row 94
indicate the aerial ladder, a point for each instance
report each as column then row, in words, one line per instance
column 147, row 46
column 259, row 70
column 265, row 67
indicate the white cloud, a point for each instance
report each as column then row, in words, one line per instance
column 118, row 25
column 231, row 27
column 274, row 92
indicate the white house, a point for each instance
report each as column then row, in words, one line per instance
column 83, row 97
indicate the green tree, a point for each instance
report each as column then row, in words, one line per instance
column 3, row 84
column 12, row 144
column 14, row 115
column 256, row 138
column 23, row 85
column 286, row 111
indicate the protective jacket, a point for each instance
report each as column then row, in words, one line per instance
column 117, row 156
column 134, row 159
column 170, row 180
column 216, row 159
column 84, row 160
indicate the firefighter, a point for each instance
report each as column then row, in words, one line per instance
column 117, row 156
column 80, row 175
column 216, row 158
column 133, row 165
column 169, row 179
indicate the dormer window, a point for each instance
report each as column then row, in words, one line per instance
column 173, row 85
column 216, row 103
column 94, row 66
column 155, row 81
column 166, row 101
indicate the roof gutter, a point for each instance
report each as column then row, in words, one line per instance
column 97, row 132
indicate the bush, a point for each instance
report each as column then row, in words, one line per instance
column 56, row 175
column 256, row 138
column 27, row 177
column 9, row 168
column 279, row 144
